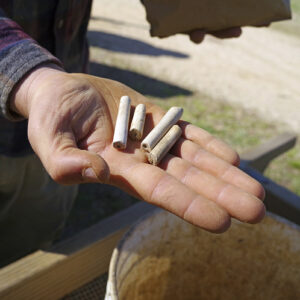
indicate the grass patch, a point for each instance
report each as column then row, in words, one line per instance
column 286, row 170
column 291, row 27
column 296, row 6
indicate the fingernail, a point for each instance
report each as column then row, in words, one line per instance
column 90, row 175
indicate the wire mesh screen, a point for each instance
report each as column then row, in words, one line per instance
column 93, row 290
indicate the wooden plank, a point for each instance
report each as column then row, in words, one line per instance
column 279, row 200
column 69, row 265
column 260, row 157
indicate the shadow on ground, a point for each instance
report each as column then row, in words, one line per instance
column 118, row 43
column 119, row 23
column 145, row 85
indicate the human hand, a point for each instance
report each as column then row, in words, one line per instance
column 197, row 36
column 71, row 124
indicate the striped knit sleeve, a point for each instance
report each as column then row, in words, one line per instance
column 18, row 55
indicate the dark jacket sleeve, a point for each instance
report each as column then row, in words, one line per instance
column 18, row 55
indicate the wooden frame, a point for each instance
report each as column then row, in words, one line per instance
column 279, row 200
column 69, row 265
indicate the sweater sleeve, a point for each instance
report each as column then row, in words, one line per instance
column 18, row 55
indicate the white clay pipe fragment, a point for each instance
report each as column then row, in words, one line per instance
column 138, row 122
column 167, row 121
column 121, row 128
column 164, row 145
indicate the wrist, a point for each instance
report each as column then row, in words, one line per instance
column 22, row 94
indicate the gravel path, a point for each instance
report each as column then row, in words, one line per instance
column 260, row 70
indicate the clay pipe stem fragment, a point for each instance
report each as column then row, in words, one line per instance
column 121, row 128
column 164, row 145
column 138, row 122
column 168, row 120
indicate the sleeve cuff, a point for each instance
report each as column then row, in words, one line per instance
column 16, row 62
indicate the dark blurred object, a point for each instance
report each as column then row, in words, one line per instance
column 168, row 17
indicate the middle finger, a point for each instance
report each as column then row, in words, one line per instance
column 239, row 204
column 217, row 167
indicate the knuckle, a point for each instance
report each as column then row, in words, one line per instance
column 57, row 175
column 56, row 170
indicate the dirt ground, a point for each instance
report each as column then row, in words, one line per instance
column 259, row 70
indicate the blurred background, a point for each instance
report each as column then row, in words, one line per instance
column 243, row 90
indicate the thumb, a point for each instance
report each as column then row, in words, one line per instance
column 72, row 165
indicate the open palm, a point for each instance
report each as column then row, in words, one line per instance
column 71, row 125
